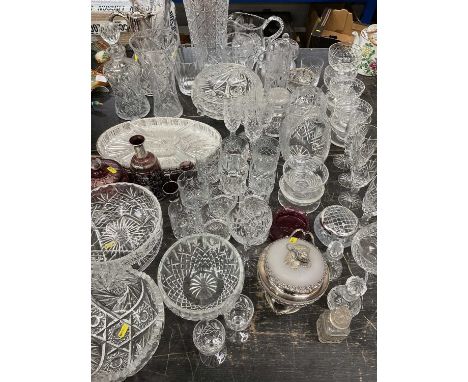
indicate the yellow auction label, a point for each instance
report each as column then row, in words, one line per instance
column 293, row 240
column 112, row 170
column 109, row 245
column 123, row 330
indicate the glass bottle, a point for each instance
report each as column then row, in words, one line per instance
column 105, row 171
column 145, row 167
column 124, row 76
column 333, row 325
column 348, row 295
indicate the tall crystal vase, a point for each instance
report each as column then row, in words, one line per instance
column 207, row 22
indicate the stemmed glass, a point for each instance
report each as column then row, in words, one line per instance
column 238, row 319
column 110, row 33
column 360, row 146
column 232, row 114
column 209, row 338
column 369, row 203
column 258, row 115
column 249, row 223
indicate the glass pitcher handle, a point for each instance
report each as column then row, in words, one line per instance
column 278, row 32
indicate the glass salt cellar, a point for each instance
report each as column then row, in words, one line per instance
column 124, row 76
column 209, row 338
column 105, row 171
column 333, row 325
column 145, row 167
column 348, row 295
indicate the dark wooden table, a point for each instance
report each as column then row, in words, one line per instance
column 280, row 348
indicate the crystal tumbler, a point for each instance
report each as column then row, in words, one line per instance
column 187, row 68
column 193, row 189
column 265, row 154
column 233, row 172
column 184, row 221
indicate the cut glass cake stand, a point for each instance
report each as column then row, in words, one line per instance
column 127, row 319
column 126, row 225
column 200, row 277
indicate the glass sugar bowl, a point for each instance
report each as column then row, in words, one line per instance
column 292, row 273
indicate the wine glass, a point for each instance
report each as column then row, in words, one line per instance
column 110, row 33
column 369, row 203
column 258, row 115
column 361, row 144
column 209, row 338
column 238, row 319
column 232, row 114
column 249, row 223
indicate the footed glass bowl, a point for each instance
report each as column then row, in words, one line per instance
column 200, row 277
column 126, row 225
column 127, row 319
column 364, row 248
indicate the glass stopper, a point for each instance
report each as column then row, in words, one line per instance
column 356, row 286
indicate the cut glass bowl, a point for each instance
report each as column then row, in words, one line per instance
column 200, row 276
column 126, row 225
column 219, row 81
column 344, row 57
column 127, row 319
column 364, row 248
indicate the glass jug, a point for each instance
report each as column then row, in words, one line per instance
column 254, row 25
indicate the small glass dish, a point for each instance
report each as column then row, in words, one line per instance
column 126, row 225
column 364, row 248
column 200, row 276
column 127, row 319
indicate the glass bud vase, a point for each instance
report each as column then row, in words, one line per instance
column 124, row 76
column 145, row 167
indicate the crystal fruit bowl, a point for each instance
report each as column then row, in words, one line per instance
column 126, row 225
column 200, row 277
column 127, row 319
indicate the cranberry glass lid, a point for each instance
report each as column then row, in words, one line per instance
column 285, row 221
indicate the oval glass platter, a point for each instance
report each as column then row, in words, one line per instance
column 172, row 140
column 219, row 81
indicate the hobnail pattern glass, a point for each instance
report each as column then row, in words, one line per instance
column 344, row 57
column 126, row 225
column 200, row 276
column 240, row 315
column 364, row 248
column 336, row 223
column 127, row 319
column 219, row 81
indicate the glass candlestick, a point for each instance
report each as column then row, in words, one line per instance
column 333, row 325
column 209, row 338
column 238, row 319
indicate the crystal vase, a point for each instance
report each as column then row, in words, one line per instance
column 207, row 22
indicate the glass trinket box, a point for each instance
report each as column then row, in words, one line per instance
column 292, row 273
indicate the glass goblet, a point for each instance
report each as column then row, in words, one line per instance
column 308, row 70
column 257, row 116
column 249, row 223
column 209, row 338
column 110, row 33
column 344, row 57
column 369, row 202
column 238, row 319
